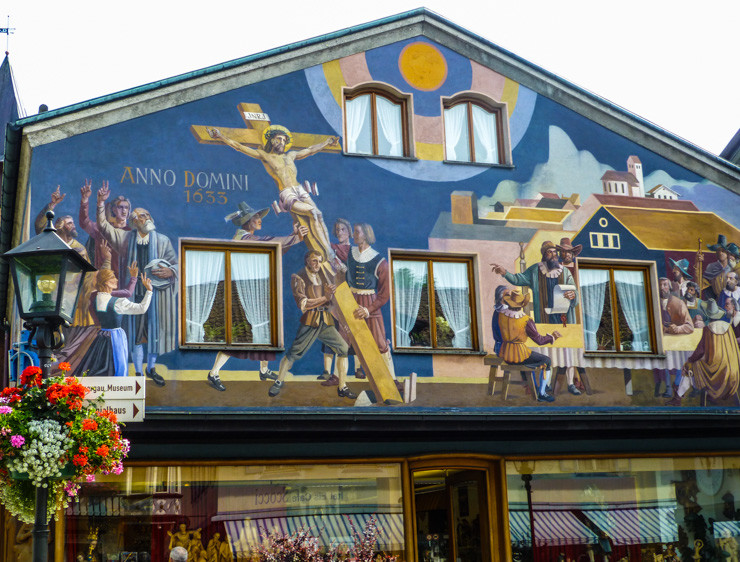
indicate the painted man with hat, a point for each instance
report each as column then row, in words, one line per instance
column 568, row 254
column 279, row 162
column 681, row 276
column 714, row 367
column 248, row 221
column 716, row 272
column 515, row 328
column 542, row 278
column 730, row 290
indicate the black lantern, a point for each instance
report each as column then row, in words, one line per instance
column 48, row 276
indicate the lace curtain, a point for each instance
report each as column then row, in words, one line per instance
column 631, row 292
column 486, row 137
column 456, row 121
column 408, row 279
column 593, row 290
column 358, row 113
column 451, row 284
column 203, row 272
column 389, row 117
column 251, row 275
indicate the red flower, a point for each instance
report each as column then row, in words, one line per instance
column 32, row 376
column 64, row 366
column 103, row 450
column 109, row 415
column 84, row 450
column 89, row 424
column 79, row 460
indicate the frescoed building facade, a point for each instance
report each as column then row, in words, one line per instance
column 400, row 275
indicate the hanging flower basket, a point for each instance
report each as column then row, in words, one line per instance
column 51, row 437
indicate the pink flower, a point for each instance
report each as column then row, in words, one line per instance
column 90, row 478
column 17, row 441
column 117, row 468
column 5, row 409
column 71, row 489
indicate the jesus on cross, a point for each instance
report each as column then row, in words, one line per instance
column 279, row 162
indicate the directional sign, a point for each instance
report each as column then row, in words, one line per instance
column 115, row 388
column 126, row 410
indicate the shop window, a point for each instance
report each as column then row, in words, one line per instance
column 475, row 131
column 434, row 302
column 225, row 511
column 623, row 509
column 617, row 313
column 229, row 295
column 451, row 508
column 376, row 121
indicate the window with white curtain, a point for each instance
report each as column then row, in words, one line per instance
column 433, row 302
column 616, row 304
column 229, row 297
column 375, row 123
column 473, row 132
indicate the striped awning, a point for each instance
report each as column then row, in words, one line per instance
column 637, row 526
column 724, row 529
column 246, row 534
column 551, row 528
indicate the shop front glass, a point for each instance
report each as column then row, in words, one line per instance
column 224, row 513
column 656, row 509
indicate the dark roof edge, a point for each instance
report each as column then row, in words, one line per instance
column 417, row 12
column 732, row 151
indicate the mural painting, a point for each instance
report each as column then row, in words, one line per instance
column 448, row 236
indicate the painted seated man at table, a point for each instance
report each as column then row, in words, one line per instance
column 516, row 327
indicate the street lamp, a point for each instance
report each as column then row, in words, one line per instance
column 47, row 276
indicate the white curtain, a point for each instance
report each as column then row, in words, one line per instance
column 593, row 289
column 484, row 127
column 358, row 111
column 631, row 292
column 455, row 124
column 451, row 284
column 389, row 117
column 251, row 275
column 408, row 279
column 203, row 272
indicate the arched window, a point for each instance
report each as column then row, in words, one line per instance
column 475, row 131
column 376, row 122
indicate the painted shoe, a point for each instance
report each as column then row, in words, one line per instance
column 275, row 389
column 268, row 375
column 345, row 392
column 325, row 376
column 215, row 382
column 573, row 390
column 360, row 374
column 331, row 381
column 156, row 377
column 545, row 398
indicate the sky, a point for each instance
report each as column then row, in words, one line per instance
column 670, row 62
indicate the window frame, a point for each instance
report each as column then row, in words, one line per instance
column 274, row 251
column 501, row 115
column 652, row 304
column 392, row 95
column 473, row 291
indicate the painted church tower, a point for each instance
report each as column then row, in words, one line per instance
column 634, row 167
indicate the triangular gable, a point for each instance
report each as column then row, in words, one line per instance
column 203, row 83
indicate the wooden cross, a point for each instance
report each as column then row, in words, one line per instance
column 256, row 122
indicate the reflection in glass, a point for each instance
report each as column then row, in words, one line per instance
column 623, row 509
column 232, row 507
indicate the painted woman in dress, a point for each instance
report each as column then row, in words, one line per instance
column 108, row 354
